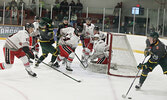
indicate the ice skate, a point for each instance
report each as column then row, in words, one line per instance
column 138, row 86
column 56, row 65
column 31, row 73
column 51, row 64
column 68, row 68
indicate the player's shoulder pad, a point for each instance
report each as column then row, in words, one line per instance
column 92, row 25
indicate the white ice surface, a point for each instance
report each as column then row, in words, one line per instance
column 15, row 84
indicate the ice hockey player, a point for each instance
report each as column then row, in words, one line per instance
column 67, row 45
column 46, row 40
column 34, row 38
column 158, row 53
column 65, row 24
column 102, row 35
column 86, row 39
column 101, row 51
column 18, row 45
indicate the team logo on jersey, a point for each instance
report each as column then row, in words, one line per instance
column 157, row 47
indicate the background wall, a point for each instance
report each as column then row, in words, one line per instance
column 108, row 3
column 96, row 6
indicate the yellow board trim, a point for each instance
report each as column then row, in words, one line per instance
column 2, row 38
column 136, row 51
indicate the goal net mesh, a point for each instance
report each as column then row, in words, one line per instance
column 121, row 58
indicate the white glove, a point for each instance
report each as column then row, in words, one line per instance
column 106, row 54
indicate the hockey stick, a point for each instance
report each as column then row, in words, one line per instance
column 62, row 72
column 80, row 60
column 124, row 96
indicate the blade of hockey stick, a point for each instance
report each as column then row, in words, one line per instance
column 124, row 96
column 62, row 72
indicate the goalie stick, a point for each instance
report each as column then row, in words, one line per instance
column 63, row 73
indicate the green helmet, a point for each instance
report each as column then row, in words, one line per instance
column 43, row 24
column 47, row 20
column 154, row 35
column 65, row 18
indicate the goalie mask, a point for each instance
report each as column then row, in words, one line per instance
column 96, row 38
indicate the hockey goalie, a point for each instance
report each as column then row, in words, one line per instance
column 100, row 51
column 99, row 58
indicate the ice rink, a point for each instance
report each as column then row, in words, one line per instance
column 16, row 84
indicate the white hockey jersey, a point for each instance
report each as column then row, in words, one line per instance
column 100, row 49
column 88, row 30
column 17, row 40
column 36, row 29
column 69, row 38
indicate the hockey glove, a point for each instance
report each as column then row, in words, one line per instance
column 28, row 52
column 141, row 66
column 147, row 52
column 81, row 37
column 106, row 54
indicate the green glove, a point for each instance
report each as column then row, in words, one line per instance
column 147, row 52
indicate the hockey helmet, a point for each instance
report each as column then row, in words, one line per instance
column 47, row 20
column 96, row 37
column 29, row 25
column 65, row 18
column 88, row 18
column 96, row 28
column 43, row 24
column 78, row 30
column 154, row 35
column 36, row 18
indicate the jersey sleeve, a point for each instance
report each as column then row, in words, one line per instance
column 158, row 52
column 24, row 39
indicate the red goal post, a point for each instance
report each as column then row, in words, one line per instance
column 121, row 56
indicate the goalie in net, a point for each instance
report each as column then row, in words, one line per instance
column 119, row 59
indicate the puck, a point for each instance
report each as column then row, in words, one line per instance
column 129, row 97
column 123, row 96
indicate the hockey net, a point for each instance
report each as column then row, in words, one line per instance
column 121, row 58
column 122, row 62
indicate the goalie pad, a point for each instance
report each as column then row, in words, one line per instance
column 100, row 68
column 97, row 68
